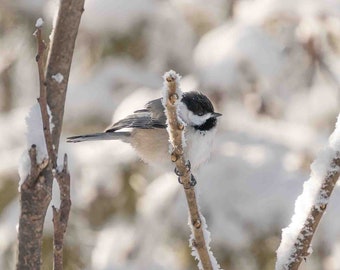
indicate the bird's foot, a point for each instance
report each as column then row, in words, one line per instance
column 193, row 181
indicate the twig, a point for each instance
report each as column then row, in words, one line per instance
column 176, row 133
column 297, row 237
column 35, row 197
column 43, row 97
column 60, row 217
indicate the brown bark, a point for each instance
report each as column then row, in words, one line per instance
column 60, row 59
column 60, row 217
column 176, row 130
column 36, row 191
column 35, row 197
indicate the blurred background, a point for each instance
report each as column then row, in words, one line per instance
column 270, row 66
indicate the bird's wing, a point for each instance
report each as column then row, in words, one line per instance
column 152, row 116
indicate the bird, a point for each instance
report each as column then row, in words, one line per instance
column 145, row 130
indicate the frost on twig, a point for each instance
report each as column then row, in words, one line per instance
column 310, row 206
column 199, row 240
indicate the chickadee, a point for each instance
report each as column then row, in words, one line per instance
column 148, row 134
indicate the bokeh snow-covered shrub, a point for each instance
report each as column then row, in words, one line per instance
column 270, row 67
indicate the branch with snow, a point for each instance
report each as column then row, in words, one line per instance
column 45, row 115
column 200, row 238
column 36, row 184
column 35, row 197
column 310, row 206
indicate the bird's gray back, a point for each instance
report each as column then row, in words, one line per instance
column 152, row 116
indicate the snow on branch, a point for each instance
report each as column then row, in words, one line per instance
column 39, row 169
column 310, row 206
column 200, row 238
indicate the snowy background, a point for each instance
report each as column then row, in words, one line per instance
column 270, row 66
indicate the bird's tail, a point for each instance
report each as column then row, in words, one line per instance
column 123, row 136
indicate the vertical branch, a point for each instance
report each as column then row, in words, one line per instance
column 36, row 191
column 35, row 197
column 59, row 61
column 176, row 134
column 41, row 47
column 57, row 74
column 60, row 217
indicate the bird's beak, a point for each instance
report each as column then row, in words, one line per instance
column 216, row 114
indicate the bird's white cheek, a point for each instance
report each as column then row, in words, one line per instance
column 190, row 118
column 197, row 120
column 183, row 113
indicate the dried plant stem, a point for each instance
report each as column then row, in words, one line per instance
column 176, row 129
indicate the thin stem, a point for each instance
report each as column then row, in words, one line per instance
column 175, row 130
column 43, row 98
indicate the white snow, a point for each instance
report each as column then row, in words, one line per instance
column 334, row 139
column 34, row 135
column 240, row 49
column 39, row 23
column 207, row 238
column 50, row 119
column 312, row 195
column 117, row 17
column 58, row 77
column 165, row 94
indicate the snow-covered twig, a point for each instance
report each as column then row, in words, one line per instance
column 310, row 206
column 171, row 96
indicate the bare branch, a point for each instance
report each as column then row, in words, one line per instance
column 35, row 197
column 57, row 74
column 59, row 61
column 60, row 217
column 43, row 98
column 176, row 133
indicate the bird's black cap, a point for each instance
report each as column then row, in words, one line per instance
column 198, row 103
